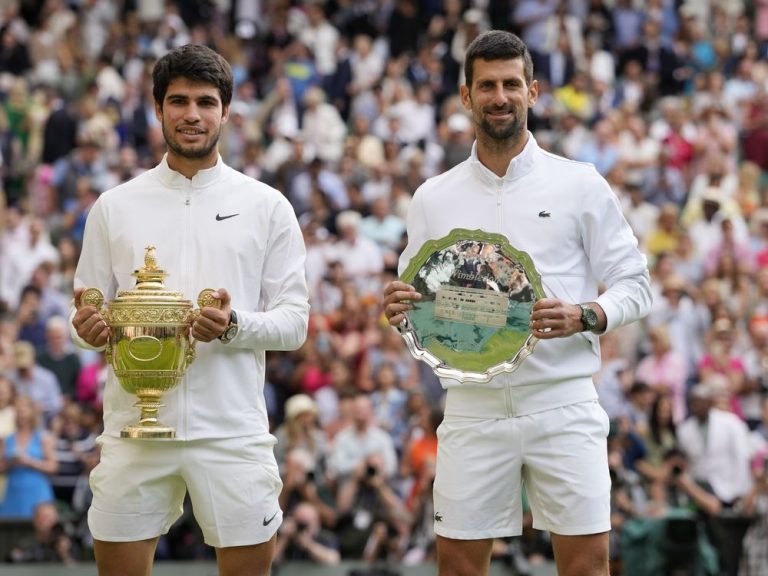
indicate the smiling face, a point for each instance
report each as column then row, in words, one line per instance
column 192, row 115
column 499, row 98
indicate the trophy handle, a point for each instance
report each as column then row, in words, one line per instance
column 205, row 298
column 94, row 297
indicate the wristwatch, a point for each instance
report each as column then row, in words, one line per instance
column 231, row 330
column 588, row 318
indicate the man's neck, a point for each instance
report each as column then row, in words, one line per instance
column 496, row 155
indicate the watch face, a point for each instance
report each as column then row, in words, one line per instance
column 588, row 318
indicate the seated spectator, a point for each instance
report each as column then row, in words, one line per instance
column 58, row 357
column 373, row 519
column 418, row 462
column 388, row 401
column 716, row 446
column 34, row 381
column 303, row 484
column 755, row 506
column 301, row 430
column 390, row 349
column 28, row 459
column 302, row 538
column 665, row 369
column 359, row 256
column 50, row 543
column 385, row 229
column 29, row 319
column 73, row 444
column 360, row 442
column 7, row 410
column 723, row 361
column 614, row 378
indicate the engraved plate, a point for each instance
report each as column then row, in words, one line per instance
column 471, row 306
column 477, row 296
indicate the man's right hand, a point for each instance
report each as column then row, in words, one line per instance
column 89, row 323
column 397, row 297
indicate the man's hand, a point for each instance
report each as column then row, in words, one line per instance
column 89, row 323
column 553, row 318
column 211, row 322
column 396, row 301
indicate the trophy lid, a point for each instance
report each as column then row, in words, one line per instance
column 150, row 283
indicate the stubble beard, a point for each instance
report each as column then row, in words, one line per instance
column 190, row 153
column 505, row 132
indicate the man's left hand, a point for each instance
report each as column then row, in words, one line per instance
column 553, row 318
column 211, row 322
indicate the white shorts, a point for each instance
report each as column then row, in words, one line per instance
column 559, row 454
column 139, row 487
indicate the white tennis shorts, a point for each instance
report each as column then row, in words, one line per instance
column 139, row 487
column 559, row 454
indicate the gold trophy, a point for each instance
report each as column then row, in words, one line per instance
column 149, row 345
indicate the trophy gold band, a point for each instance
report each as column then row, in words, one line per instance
column 473, row 319
column 149, row 345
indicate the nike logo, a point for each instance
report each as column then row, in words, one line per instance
column 268, row 522
column 544, row 214
column 219, row 217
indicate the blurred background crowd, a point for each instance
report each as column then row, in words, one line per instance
column 347, row 106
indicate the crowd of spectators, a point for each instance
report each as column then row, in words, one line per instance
column 347, row 106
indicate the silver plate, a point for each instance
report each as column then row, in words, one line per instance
column 473, row 320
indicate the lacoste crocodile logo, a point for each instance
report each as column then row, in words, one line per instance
column 220, row 217
column 544, row 214
column 438, row 517
column 268, row 522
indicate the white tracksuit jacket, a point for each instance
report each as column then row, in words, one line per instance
column 221, row 229
column 567, row 218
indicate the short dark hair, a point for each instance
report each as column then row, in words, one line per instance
column 195, row 62
column 497, row 45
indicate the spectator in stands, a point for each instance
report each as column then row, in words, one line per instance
column 28, row 247
column 722, row 359
column 384, row 228
column 28, row 458
column 388, row 399
column 755, row 506
column 660, row 438
column 51, row 542
column 300, row 429
column 362, row 443
column 716, row 447
column 665, row 370
column 360, row 257
column 322, row 126
column 34, row 381
column 58, row 357
column 30, row 324
column 302, row 538
column 372, row 516
column 305, row 482
column 74, row 444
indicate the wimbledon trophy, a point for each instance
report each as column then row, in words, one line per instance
column 473, row 320
column 149, row 345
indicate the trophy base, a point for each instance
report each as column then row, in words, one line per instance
column 148, row 432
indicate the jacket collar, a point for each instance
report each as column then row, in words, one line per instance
column 203, row 178
column 519, row 166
